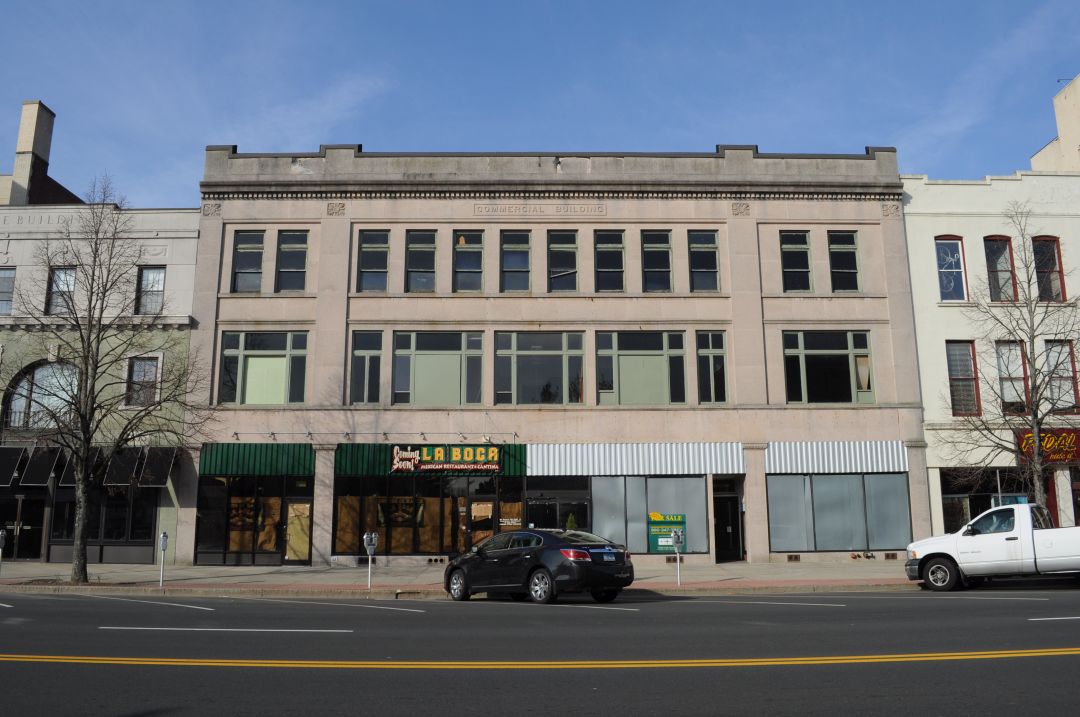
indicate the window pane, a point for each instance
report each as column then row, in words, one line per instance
column 888, row 513
column 657, row 281
column 609, row 260
column 373, row 282
column 373, row 380
column 719, row 382
column 357, row 380
column 420, row 282
column 793, row 378
column 438, row 341
column 828, row 379
column 539, row 341
column 791, row 521
column 473, row 384
column 263, row 341
column 950, row 270
column 264, row 380
column 703, row 281
column 367, row 340
column 539, row 379
column 676, row 380
column 296, row 379
column 641, row 341
column 291, row 281
column 825, row 340
column 605, row 373
column 247, row 282
column 575, row 379
column 839, row 512
column 373, row 259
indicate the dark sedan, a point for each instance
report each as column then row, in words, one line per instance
column 540, row 565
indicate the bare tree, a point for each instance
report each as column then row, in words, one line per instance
column 117, row 373
column 1024, row 331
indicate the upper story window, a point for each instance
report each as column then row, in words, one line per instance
column 642, row 368
column 514, row 261
column 468, row 261
column 364, row 378
column 437, row 368
column 41, row 396
column 656, row 261
column 1012, row 376
column 963, row 378
column 1048, row 269
column 827, row 367
column 795, row 260
column 538, row 367
column 999, row 268
column 704, row 265
column 60, row 297
column 609, row 260
column 7, row 290
column 247, row 262
column 142, row 381
column 562, row 261
column 712, row 386
column 950, row 268
column 372, row 261
column 1061, row 389
column 291, row 261
column 263, row 367
column 150, row 293
column 843, row 261
column 419, row 262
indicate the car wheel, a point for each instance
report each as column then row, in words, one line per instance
column 459, row 587
column 604, row 595
column 541, row 586
column 941, row 575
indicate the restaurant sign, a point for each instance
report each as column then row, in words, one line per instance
column 1059, row 445
column 481, row 459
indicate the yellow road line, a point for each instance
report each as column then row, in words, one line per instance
column 543, row 664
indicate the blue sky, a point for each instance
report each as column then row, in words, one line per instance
column 140, row 88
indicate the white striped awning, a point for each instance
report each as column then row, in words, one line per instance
column 616, row 459
column 836, row 457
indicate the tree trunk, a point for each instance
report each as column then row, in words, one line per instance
column 78, row 556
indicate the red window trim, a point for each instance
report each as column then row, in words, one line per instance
column 1012, row 259
column 1027, row 377
column 963, row 264
column 974, row 378
column 1076, row 387
column 1060, row 266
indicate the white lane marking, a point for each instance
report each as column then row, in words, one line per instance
column 214, row 629
column 1042, row 619
column 593, row 607
column 332, row 604
column 937, row 597
column 767, row 602
column 150, row 602
column 4, row 604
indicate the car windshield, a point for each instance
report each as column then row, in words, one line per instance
column 580, row 536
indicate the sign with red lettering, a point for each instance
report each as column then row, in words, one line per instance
column 1059, row 445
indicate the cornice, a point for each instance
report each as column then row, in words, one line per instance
column 847, row 194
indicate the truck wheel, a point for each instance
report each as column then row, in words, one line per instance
column 941, row 575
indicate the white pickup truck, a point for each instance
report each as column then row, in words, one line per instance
column 1012, row 540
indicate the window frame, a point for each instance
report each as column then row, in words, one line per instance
column 284, row 249
column 241, row 353
column 509, row 243
column 373, row 247
column 656, row 248
column 709, row 355
column 141, row 292
column 1058, row 269
column 710, row 247
column 557, row 248
column 240, row 249
column 416, row 246
column 467, row 355
column 371, row 357
column 841, row 249
column 1002, row 378
column 1070, row 377
column 139, row 388
column 463, row 245
column 53, row 294
column 859, row 396
column 613, row 248
column 973, row 379
column 7, row 296
column 998, row 239
column 959, row 241
column 791, row 250
column 614, row 396
column 512, row 353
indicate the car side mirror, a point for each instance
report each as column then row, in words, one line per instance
column 970, row 530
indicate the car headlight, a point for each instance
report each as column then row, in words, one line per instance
column 912, row 555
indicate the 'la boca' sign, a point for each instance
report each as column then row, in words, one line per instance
column 406, row 459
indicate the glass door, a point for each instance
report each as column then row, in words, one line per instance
column 298, row 532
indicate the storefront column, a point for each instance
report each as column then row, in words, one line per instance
column 183, row 490
column 756, row 501
column 937, row 512
column 322, row 519
column 919, row 490
column 1063, row 484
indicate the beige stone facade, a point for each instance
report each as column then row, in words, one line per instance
column 743, row 198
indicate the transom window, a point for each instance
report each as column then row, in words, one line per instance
column 419, row 262
column 704, row 265
column 263, row 367
column 712, row 387
column 656, row 260
column 827, row 367
column 795, row 260
column 843, row 261
column 372, row 262
column 468, row 261
column 437, row 368
column 538, row 367
column 643, row 368
column 514, row 261
column 150, row 293
column 562, row 261
column 999, row 268
column 247, row 262
column 364, row 380
column 963, row 379
column 291, row 261
column 609, row 260
column 949, row 252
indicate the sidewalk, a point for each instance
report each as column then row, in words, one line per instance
column 425, row 581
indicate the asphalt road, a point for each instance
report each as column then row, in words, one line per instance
column 988, row 651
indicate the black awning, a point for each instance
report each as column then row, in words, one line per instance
column 9, row 463
column 67, row 479
column 40, row 468
column 157, row 467
column 123, row 464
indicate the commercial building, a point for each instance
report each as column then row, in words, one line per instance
column 437, row 347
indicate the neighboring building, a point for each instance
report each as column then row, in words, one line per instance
column 438, row 347
column 960, row 247
column 138, row 499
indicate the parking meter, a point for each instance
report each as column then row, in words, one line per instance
column 678, row 537
column 164, row 545
column 371, row 541
column 3, row 539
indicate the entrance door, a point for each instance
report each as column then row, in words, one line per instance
column 727, row 528
column 542, row 514
column 24, row 520
column 298, row 532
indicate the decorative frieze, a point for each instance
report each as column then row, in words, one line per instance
column 335, row 209
column 212, row 209
column 890, row 209
column 740, row 209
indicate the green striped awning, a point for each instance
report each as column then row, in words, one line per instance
column 374, row 459
column 257, row 459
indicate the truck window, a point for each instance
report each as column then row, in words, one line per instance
column 1040, row 517
column 999, row 521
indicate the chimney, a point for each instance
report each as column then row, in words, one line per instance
column 31, row 150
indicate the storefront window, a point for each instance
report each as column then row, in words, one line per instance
column 115, row 513
column 241, row 519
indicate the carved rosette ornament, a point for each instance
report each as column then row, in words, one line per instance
column 890, row 209
column 335, row 209
column 740, row 209
column 211, row 210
